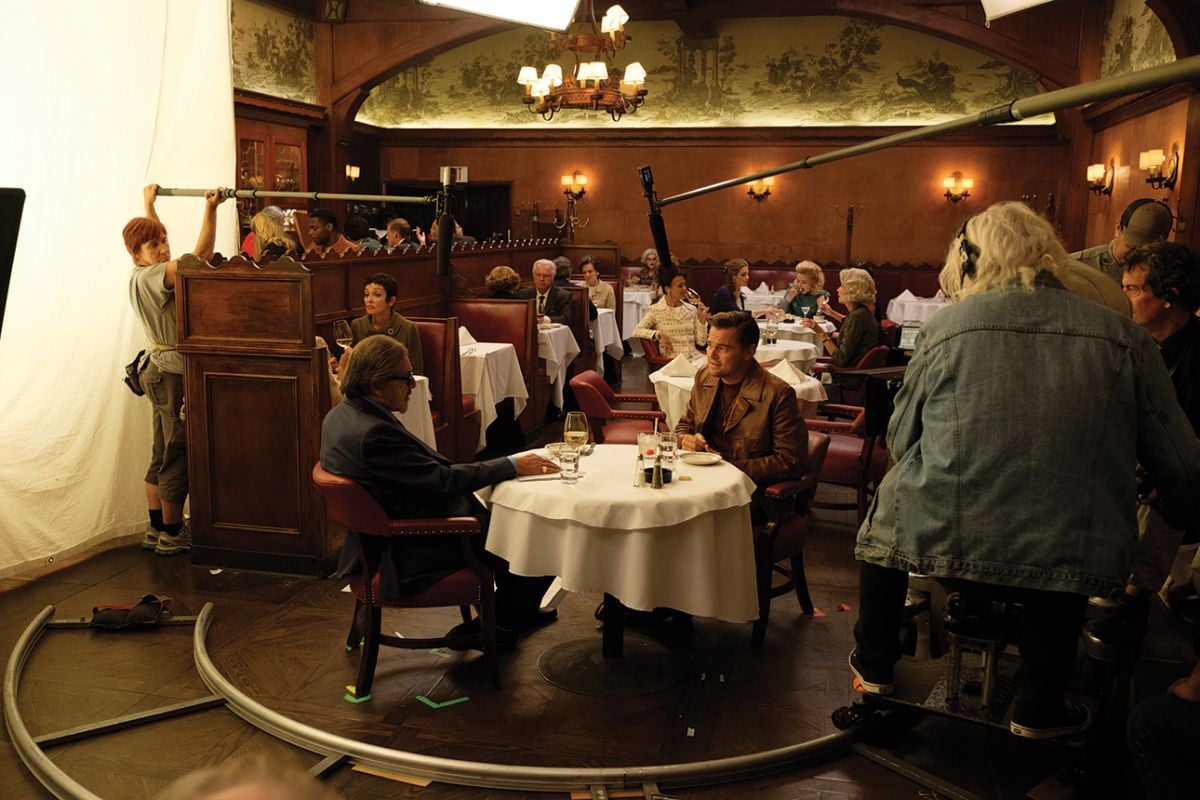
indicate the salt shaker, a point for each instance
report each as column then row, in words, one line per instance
column 656, row 477
column 639, row 473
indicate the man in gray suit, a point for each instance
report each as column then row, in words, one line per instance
column 361, row 439
column 549, row 300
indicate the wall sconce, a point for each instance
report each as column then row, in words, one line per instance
column 957, row 187
column 573, row 185
column 761, row 189
column 352, row 172
column 1163, row 170
column 1100, row 180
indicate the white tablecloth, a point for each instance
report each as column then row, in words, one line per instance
column 674, row 393
column 794, row 331
column 686, row 546
column 558, row 348
column 757, row 300
column 605, row 337
column 918, row 309
column 490, row 373
column 802, row 354
column 636, row 301
column 418, row 418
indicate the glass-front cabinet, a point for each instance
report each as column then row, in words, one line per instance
column 270, row 156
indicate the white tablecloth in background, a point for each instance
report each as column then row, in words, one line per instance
column 490, row 373
column 686, row 546
column 636, row 301
column 794, row 331
column 418, row 418
column 605, row 337
column 757, row 300
column 802, row 354
column 919, row 309
column 558, row 348
column 674, row 393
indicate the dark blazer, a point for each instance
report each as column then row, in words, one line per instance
column 558, row 303
column 361, row 441
column 726, row 300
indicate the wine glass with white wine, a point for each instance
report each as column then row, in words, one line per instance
column 575, row 430
column 342, row 334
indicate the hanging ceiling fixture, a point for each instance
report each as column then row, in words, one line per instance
column 590, row 86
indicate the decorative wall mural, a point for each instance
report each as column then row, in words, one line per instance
column 755, row 72
column 273, row 52
column 1134, row 38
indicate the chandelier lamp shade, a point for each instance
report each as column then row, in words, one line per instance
column 591, row 85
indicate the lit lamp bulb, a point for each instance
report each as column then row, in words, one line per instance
column 526, row 77
column 635, row 77
column 1095, row 173
column 593, row 71
column 1151, row 160
column 539, row 88
column 552, row 75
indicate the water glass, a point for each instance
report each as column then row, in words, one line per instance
column 772, row 330
column 647, row 444
column 666, row 447
column 568, row 460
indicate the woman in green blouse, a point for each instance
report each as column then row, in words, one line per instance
column 860, row 331
column 379, row 295
column 804, row 296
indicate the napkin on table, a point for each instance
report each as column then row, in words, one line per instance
column 785, row 371
column 939, row 295
column 763, row 288
column 679, row 367
column 906, row 295
column 464, row 336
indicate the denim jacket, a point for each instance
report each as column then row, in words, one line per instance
column 1016, row 436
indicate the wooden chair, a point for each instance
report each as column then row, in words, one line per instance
column 852, row 385
column 783, row 536
column 472, row 585
column 456, row 421
column 854, row 458
column 655, row 358
column 613, row 425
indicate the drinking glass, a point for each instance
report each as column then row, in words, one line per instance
column 666, row 447
column 342, row 334
column 772, row 330
column 575, row 429
column 647, row 444
column 568, row 460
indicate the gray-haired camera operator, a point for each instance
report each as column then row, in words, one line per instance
column 1023, row 415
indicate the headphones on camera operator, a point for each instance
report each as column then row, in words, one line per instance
column 968, row 252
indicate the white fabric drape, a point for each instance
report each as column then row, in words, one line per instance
column 101, row 99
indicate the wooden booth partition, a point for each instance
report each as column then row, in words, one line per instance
column 492, row 319
column 256, row 391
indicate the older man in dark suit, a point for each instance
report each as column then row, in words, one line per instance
column 550, row 301
column 361, row 439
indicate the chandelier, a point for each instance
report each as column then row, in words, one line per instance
column 590, row 86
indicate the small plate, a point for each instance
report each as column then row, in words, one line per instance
column 700, row 459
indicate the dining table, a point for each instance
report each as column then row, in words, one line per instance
column 558, row 348
column 674, row 392
column 914, row 309
column 491, row 373
column 801, row 354
column 636, row 299
column 795, row 330
column 606, row 337
column 418, row 417
column 687, row 546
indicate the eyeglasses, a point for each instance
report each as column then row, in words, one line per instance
column 1133, row 290
column 409, row 379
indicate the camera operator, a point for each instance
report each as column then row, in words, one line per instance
column 1023, row 414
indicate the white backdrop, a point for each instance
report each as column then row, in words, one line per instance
column 101, row 99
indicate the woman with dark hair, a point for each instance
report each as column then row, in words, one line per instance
column 379, row 295
column 729, row 297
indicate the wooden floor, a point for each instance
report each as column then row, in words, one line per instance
column 281, row 641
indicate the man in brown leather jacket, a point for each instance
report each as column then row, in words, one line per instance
column 741, row 411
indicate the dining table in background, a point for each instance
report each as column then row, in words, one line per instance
column 636, row 301
column 914, row 309
column 674, row 392
column 801, row 354
column 558, row 348
column 418, row 418
column 687, row 546
column 606, row 338
column 796, row 330
column 761, row 298
column 491, row 373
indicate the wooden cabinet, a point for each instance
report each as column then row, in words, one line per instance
column 270, row 156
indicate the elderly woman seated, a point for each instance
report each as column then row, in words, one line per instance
column 1024, row 412
column 860, row 331
column 503, row 282
column 677, row 327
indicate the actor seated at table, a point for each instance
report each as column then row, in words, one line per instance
column 379, row 295
column 248, row 246
column 599, row 292
column 676, row 326
column 729, row 296
column 401, row 232
column 743, row 412
column 1024, row 412
column 648, row 274
column 362, row 439
column 503, row 282
column 359, row 232
column 270, row 240
column 550, row 302
column 805, row 294
column 323, row 236
column 860, row 331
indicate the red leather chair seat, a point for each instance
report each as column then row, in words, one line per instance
column 625, row 431
column 468, row 404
